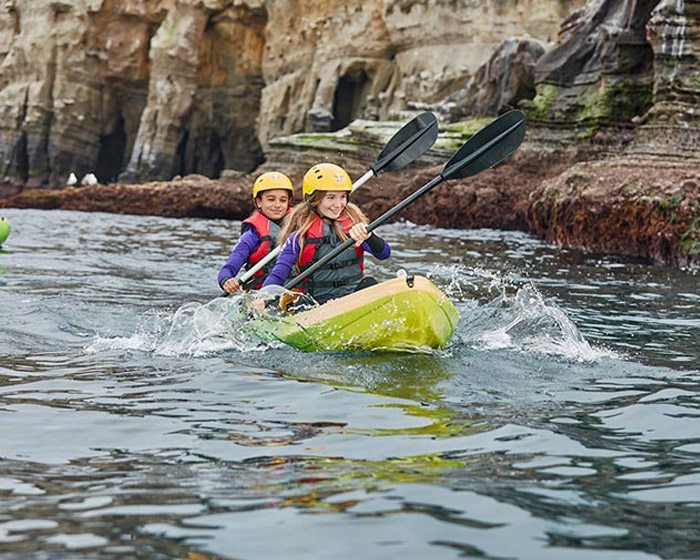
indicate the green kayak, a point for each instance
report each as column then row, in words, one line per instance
column 407, row 313
column 4, row 229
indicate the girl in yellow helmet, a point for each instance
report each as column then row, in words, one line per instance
column 316, row 226
column 272, row 195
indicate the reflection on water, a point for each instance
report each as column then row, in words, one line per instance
column 136, row 422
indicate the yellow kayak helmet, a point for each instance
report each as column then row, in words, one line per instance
column 270, row 181
column 326, row 177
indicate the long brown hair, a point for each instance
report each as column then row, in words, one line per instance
column 301, row 217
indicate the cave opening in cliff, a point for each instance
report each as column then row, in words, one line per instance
column 182, row 154
column 349, row 98
column 217, row 159
column 22, row 158
column 110, row 159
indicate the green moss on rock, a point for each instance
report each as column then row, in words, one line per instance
column 591, row 105
column 547, row 95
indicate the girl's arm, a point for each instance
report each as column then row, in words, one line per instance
column 287, row 257
column 377, row 247
column 246, row 245
column 371, row 242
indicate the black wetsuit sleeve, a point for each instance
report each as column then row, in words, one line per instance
column 375, row 243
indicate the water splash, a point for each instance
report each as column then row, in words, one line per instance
column 524, row 322
column 199, row 329
column 195, row 329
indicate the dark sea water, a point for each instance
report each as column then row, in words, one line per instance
column 138, row 421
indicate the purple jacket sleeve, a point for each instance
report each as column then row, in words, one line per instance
column 285, row 261
column 246, row 245
column 377, row 247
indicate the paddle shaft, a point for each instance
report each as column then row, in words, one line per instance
column 371, row 227
column 451, row 169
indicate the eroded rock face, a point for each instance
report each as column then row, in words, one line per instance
column 502, row 82
column 327, row 63
column 147, row 89
column 156, row 87
column 204, row 92
column 601, row 69
column 74, row 79
column 672, row 126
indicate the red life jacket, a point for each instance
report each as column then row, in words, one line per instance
column 314, row 238
column 262, row 225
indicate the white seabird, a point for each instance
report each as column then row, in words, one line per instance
column 89, row 179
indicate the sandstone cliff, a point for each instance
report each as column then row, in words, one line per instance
column 624, row 84
column 150, row 89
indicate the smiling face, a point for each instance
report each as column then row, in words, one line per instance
column 273, row 203
column 332, row 204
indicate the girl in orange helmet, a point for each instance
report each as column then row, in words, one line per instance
column 316, row 226
column 272, row 195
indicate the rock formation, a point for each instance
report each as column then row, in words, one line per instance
column 501, row 83
column 597, row 78
column 149, row 89
column 672, row 126
column 626, row 206
column 643, row 197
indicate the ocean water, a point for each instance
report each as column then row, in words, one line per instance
column 138, row 420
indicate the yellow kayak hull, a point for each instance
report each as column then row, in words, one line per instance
column 404, row 314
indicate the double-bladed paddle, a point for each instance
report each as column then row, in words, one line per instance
column 413, row 139
column 487, row 148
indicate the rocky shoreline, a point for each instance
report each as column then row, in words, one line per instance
column 642, row 207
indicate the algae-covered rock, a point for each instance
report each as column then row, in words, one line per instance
column 626, row 206
column 360, row 143
column 600, row 70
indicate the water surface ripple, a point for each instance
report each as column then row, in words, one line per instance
column 137, row 422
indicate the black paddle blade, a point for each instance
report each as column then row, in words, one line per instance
column 488, row 147
column 408, row 144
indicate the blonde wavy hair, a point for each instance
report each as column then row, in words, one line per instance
column 302, row 216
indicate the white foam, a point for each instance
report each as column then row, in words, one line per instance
column 524, row 322
column 195, row 329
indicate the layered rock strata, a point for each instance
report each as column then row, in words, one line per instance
column 153, row 88
column 149, row 89
column 643, row 197
column 672, row 126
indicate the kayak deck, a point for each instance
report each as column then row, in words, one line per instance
column 405, row 314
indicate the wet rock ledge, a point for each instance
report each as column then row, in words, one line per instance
column 646, row 208
column 638, row 207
